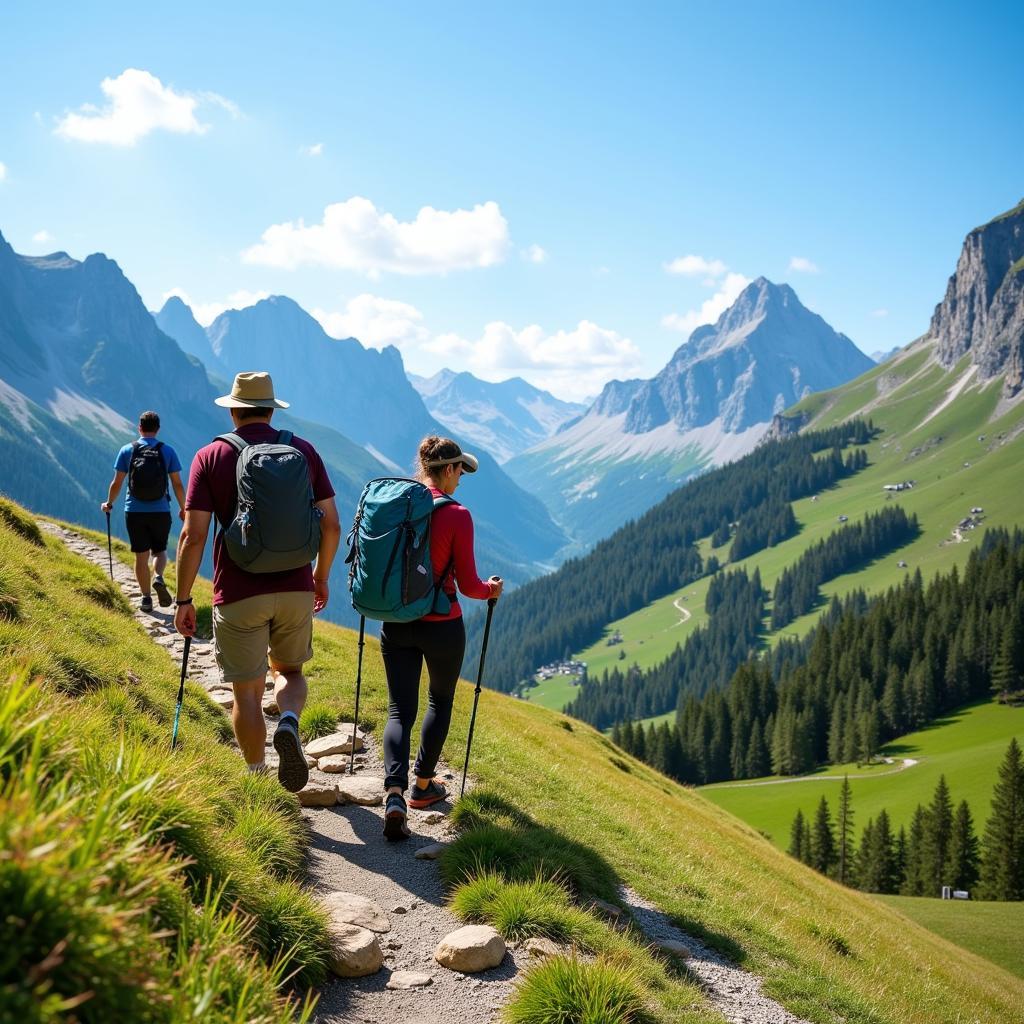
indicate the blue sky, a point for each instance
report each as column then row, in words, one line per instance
column 590, row 148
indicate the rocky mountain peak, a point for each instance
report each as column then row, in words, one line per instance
column 983, row 309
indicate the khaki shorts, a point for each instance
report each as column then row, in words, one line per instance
column 243, row 631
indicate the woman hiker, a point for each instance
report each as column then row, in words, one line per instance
column 440, row 640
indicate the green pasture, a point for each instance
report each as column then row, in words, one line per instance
column 966, row 746
column 992, row 930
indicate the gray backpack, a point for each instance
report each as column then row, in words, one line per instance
column 276, row 525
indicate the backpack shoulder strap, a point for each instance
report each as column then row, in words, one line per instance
column 159, row 446
column 443, row 499
column 235, row 440
column 284, row 437
column 136, row 445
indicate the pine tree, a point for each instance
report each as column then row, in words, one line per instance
column 938, row 833
column 1002, row 865
column 796, row 837
column 863, row 868
column 823, row 841
column 899, row 865
column 844, row 826
column 883, row 857
column 963, row 850
column 913, row 870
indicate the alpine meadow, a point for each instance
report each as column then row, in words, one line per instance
column 511, row 515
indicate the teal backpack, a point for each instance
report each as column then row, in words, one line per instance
column 276, row 525
column 391, row 576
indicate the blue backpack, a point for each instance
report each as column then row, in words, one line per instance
column 391, row 575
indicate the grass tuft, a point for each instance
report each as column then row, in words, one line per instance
column 318, row 719
column 20, row 522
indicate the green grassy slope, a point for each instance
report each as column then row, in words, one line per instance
column 992, row 930
column 967, row 747
column 829, row 954
column 954, row 471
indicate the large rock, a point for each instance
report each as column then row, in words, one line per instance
column 339, row 742
column 541, row 947
column 355, row 952
column 314, row 794
column 431, row 852
column 361, row 789
column 350, row 908
column 477, row 947
column 334, row 763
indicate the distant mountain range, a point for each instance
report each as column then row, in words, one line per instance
column 712, row 403
column 504, row 418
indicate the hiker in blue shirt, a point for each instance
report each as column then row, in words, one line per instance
column 150, row 466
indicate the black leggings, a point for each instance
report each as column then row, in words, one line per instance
column 404, row 646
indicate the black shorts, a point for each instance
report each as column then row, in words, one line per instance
column 148, row 531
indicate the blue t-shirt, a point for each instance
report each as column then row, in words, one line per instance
column 124, row 459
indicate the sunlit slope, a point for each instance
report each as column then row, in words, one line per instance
column 827, row 953
column 966, row 746
column 929, row 430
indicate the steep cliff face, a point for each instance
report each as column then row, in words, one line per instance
column 983, row 310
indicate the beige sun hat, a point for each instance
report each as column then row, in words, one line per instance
column 252, row 389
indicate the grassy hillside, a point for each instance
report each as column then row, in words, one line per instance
column 966, row 747
column 827, row 953
column 941, row 450
column 992, row 930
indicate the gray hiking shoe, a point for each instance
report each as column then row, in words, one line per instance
column 162, row 593
column 292, row 771
column 396, row 827
column 146, row 604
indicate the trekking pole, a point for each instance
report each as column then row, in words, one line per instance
column 110, row 552
column 476, row 694
column 181, row 690
column 359, row 683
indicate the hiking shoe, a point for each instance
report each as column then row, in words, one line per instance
column 146, row 604
column 162, row 593
column 434, row 793
column 395, row 827
column 292, row 771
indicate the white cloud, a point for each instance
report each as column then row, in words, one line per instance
column 879, row 312
column 533, row 254
column 42, row 237
column 376, row 322
column 802, row 265
column 316, row 149
column 355, row 235
column 138, row 103
column 696, row 266
column 3, row 171
column 206, row 312
column 711, row 309
column 572, row 364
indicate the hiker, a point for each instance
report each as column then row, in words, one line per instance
column 265, row 591
column 149, row 465
column 438, row 639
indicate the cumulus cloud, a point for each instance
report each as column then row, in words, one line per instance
column 711, row 309
column 355, row 235
column 206, row 312
column 316, row 149
column 533, row 254
column 138, row 103
column 570, row 363
column 802, row 265
column 696, row 266
column 376, row 322
column 42, row 237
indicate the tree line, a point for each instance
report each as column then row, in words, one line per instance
column 654, row 555
column 868, row 672
column 939, row 849
column 796, row 590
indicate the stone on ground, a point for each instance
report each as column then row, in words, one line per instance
column 408, row 979
column 316, row 794
column 541, row 947
column 339, row 742
column 431, row 852
column 432, row 818
column 477, row 947
column 676, row 949
column 223, row 698
column 364, row 789
column 350, row 908
column 355, row 952
column 332, row 763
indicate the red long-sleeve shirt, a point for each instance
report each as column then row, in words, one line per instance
column 451, row 533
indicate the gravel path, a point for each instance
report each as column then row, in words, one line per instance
column 348, row 853
column 735, row 993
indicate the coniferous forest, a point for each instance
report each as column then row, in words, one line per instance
column 940, row 847
column 656, row 554
column 869, row 672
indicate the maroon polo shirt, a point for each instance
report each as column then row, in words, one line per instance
column 211, row 488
